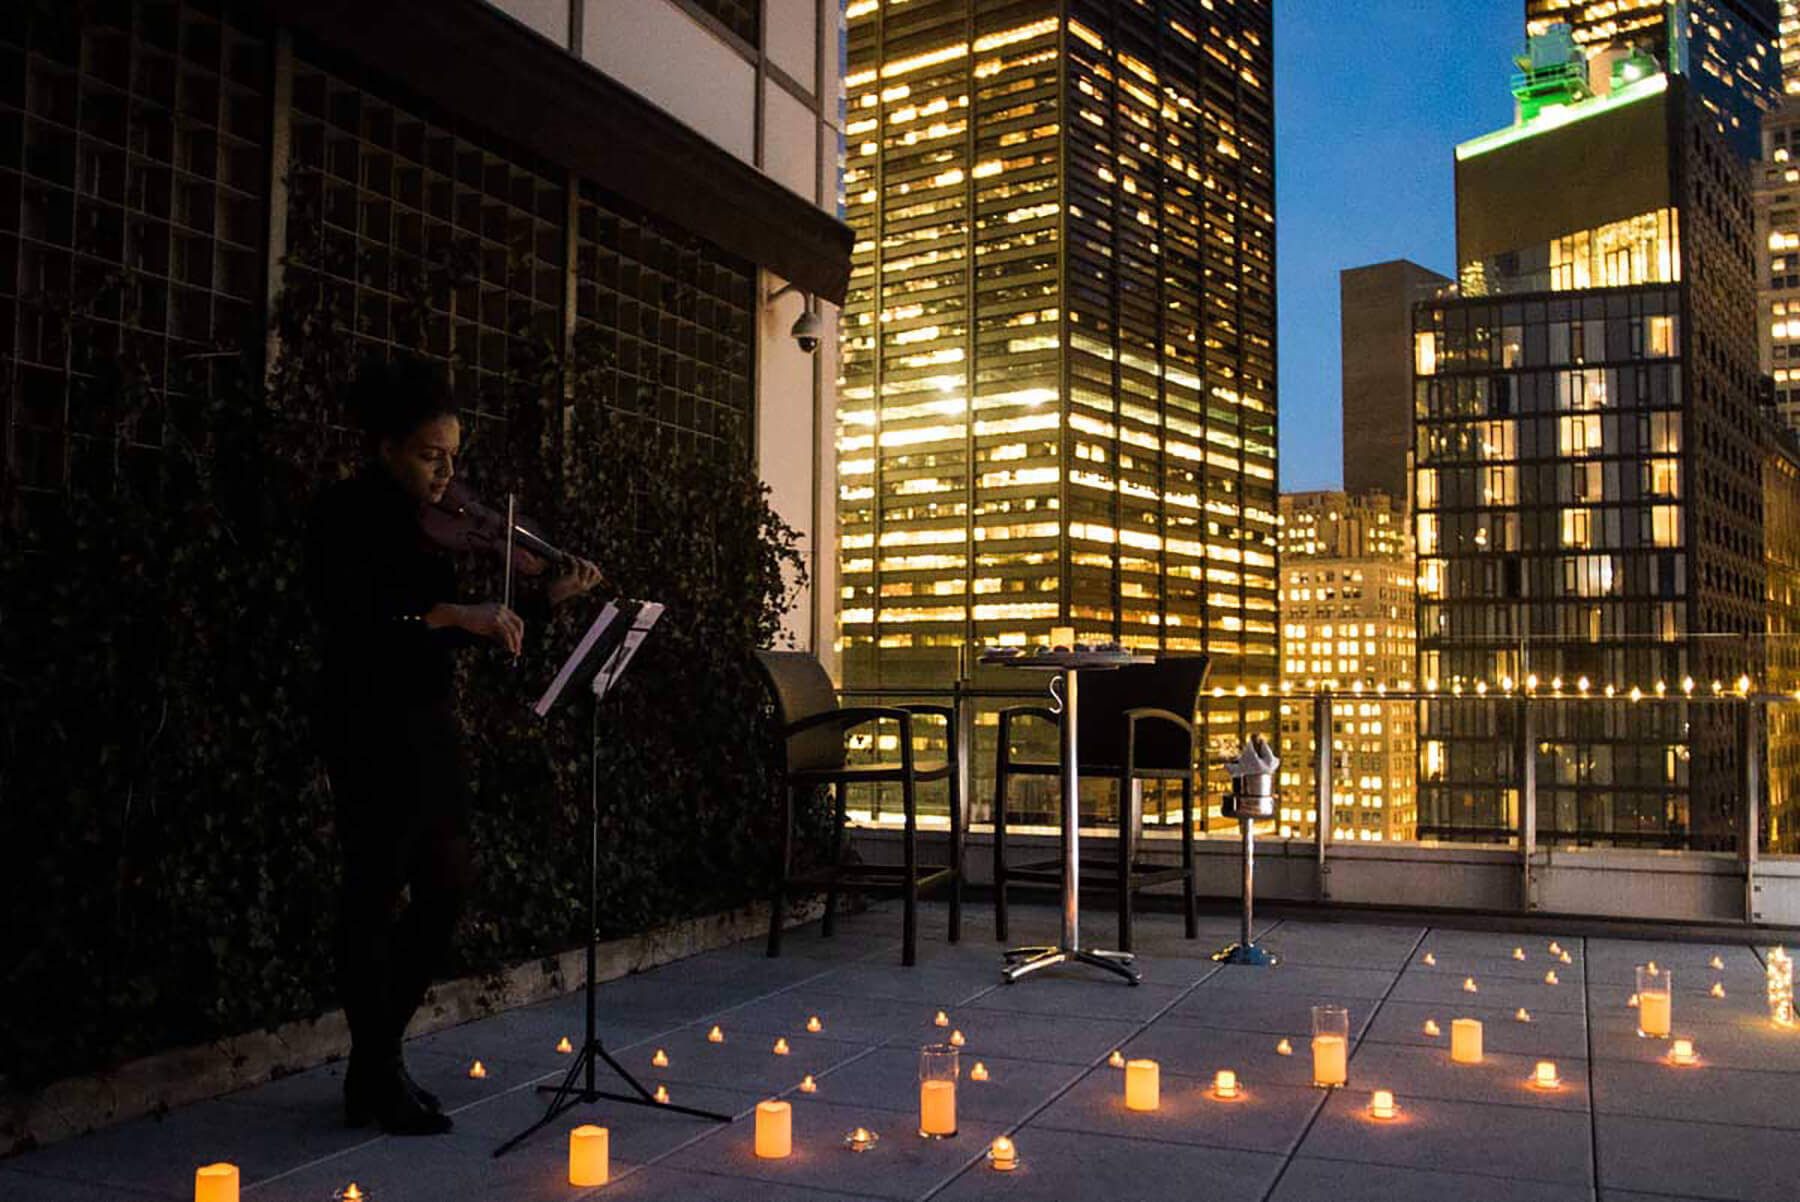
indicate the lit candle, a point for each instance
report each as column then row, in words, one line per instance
column 1117, row 1059
column 588, row 1155
column 1003, row 1155
column 774, row 1129
column 1632, row 1001
column 1284, row 1048
column 1469, row 985
column 937, row 1108
column 660, row 1060
column 956, row 1039
column 979, row 1072
column 861, row 1140
column 1330, row 1062
column 1781, row 988
column 564, row 1046
column 1654, row 1003
column 1143, row 1085
column 781, row 1047
column 1432, row 1029
column 1430, row 959
column 715, row 1036
column 1381, row 1105
column 478, row 1071
column 216, row 1183
column 1465, row 1040
column 1545, row 1076
column 1683, row 1052
column 1225, row 1084
column 1518, row 953
column 1718, row 989
column 808, row 1085
column 1523, row 1015
column 814, row 1025
column 1567, row 959
column 350, row 1194
column 662, row 1093
column 1715, row 962
column 1550, row 977
column 942, row 1019
column 1555, row 948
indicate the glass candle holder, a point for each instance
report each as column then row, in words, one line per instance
column 1330, row 1046
column 1654, row 991
column 938, row 1070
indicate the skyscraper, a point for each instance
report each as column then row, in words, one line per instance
column 1057, row 403
column 1778, row 230
column 1727, row 49
column 1589, row 480
column 1376, row 304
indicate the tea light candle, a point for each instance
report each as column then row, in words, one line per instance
column 350, row 1194
column 781, row 1047
column 1523, row 1015
column 1550, row 977
column 1469, row 985
column 1381, row 1105
column 715, row 1036
column 1117, row 1059
column 1331, row 1061
column 1545, row 1076
column 1143, row 1085
column 774, row 1129
column 937, row 1108
column 216, row 1183
column 1003, row 1155
column 808, row 1085
column 1683, row 1052
column 478, row 1071
column 1465, row 1040
column 942, row 1019
column 564, row 1046
column 1225, row 1084
column 1430, row 959
column 956, row 1039
column 1518, row 953
column 1284, row 1048
column 1567, row 959
column 660, row 1060
column 861, row 1140
column 1718, row 989
column 662, row 1093
column 1555, row 948
column 589, row 1148
column 1432, row 1029
column 979, row 1072
column 814, row 1025
column 1632, row 1001
column 1715, row 962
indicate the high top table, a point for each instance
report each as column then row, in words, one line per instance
column 1068, row 665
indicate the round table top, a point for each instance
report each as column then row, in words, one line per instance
column 1061, row 661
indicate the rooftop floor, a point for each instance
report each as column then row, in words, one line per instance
column 1623, row 1126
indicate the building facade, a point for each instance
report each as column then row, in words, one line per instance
column 1376, row 304
column 1347, row 628
column 1778, row 230
column 1058, row 385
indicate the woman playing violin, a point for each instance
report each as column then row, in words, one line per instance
column 391, row 620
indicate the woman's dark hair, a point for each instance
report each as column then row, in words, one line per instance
column 392, row 398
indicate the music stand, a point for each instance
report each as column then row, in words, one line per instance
column 599, row 661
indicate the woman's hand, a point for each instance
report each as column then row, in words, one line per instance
column 492, row 620
column 582, row 576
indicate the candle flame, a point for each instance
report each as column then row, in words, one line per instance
column 564, row 1046
column 351, row 1193
column 1284, row 1048
column 1518, row 953
column 979, row 1072
column 1469, row 985
column 478, row 1070
column 1718, row 989
column 781, row 1047
column 715, row 1036
column 1523, row 1015
column 662, row 1093
column 1717, row 963
column 1430, row 959
column 1431, row 1027
column 808, row 1085
column 1632, row 1001
column 1550, row 977
column 813, row 1024
column 661, row 1059
column 1117, row 1060
column 942, row 1019
column 956, row 1039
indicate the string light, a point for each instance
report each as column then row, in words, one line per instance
column 1687, row 684
column 1661, row 688
column 1506, row 682
column 1781, row 988
column 1531, row 682
column 1637, row 694
column 1582, row 684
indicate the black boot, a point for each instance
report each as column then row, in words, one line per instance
column 421, row 1095
column 375, row 1091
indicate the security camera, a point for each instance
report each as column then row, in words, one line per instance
column 806, row 331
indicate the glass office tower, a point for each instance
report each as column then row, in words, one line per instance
column 1057, row 404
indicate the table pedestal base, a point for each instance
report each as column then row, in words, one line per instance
column 1023, row 960
column 1247, row 953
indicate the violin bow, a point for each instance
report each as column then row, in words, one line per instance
column 511, row 519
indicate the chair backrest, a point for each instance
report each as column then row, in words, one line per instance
column 801, row 688
column 1172, row 683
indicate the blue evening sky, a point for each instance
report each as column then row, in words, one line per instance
column 1371, row 98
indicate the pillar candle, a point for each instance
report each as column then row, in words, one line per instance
column 216, row 1183
column 1465, row 1040
column 1331, row 1061
column 937, row 1107
column 588, row 1155
column 1143, row 1085
column 774, row 1129
column 1653, row 1013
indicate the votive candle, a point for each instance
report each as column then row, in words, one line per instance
column 1654, row 1001
column 589, row 1148
column 774, row 1129
column 1544, row 1077
column 1225, row 1084
column 1683, row 1052
column 937, row 1108
column 1331, row 1046
column 1381, row 1104
column 1003, row 1155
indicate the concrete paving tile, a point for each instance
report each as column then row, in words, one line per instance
column 862, row 1020
column 933, row 987
column 1253, row 1010
column 1309, row 979
column 888, row 1079
column 24, row 1187
column 1461, row 954
column 1131, row 1170
column 1310, row 1180
column 1508, row 993
column 639, row 1134
column 1704, row 1093
column 654, row 1183
column 1050, row 1038
column 757, row 974
column 901, row 1165
column 745, row 1060
column 159, row 1155
column 1746, row 1043
column 1181, row 1047
column 1549, row 1035
column 448, row 1168
column 528, row 1037
column 1615, row 959
column 1038, row 994
column 1530, row 1143
column 1502, row 1078
column 1266, row 1118
column 1345, row 945
column 1698, row 1159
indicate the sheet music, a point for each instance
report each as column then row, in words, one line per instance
column 576, row 659
column 620, row 659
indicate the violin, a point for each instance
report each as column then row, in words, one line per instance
column 458, row 521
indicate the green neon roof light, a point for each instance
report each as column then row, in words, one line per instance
column 1561, row 115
